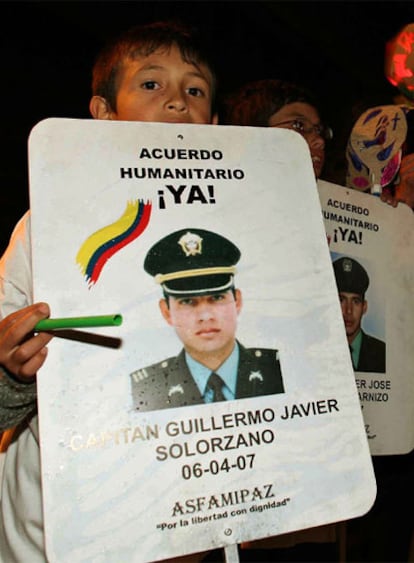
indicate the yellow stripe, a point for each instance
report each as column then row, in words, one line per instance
column 161, row 278
column 95, row 241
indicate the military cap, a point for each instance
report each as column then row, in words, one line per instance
column 193, row 262
column 350, row 276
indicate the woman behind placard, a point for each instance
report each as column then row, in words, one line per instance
column 277, row 103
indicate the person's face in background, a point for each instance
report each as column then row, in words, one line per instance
column 206, row 325
column 304, row 119
column 353, row 306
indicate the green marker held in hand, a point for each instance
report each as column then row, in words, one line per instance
column 78, row 322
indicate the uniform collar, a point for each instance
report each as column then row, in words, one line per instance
column 227, row 371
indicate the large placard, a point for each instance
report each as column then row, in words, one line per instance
column 144, row 484
column 381, row 239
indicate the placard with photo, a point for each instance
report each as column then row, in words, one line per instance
column 372, row 251
column 224, row 407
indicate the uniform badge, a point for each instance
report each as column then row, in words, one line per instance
column 175, row 389
column 256, row 375
column 191, row 244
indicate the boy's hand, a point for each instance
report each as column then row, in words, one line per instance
column 22, row 353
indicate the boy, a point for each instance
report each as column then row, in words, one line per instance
column 154, row 72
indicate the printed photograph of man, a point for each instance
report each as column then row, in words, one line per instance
column 352, row 280
column 195, row 269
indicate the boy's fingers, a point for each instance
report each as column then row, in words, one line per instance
column 15, row 327
column 30, row 347
column 21, row 351
column 24, row 360
column 29, row 369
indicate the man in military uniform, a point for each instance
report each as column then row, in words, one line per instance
column 195, row 269
column 352, row 280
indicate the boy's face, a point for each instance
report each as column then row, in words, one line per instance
column 206, row 325
column 162, row 87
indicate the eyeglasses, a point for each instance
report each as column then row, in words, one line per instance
column 304, row 127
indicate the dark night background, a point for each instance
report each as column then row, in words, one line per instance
column 47, row 49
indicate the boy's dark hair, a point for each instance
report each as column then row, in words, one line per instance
column 142, row 40
column 255, row 102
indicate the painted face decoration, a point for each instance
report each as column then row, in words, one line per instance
column 374, row 148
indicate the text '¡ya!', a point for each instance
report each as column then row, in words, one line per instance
column 189, row 193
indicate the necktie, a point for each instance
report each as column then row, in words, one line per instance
column 215, row 383
column 352, row 359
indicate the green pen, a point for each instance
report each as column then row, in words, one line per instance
column 78, row 322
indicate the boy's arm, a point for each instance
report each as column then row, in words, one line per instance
column 17, row 400
column 16, row 281
column 22, row 353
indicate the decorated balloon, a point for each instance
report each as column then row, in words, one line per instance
column 374, row 148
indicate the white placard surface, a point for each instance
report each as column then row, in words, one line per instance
column 381, row 239
column 127, row 485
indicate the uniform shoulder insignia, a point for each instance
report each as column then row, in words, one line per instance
column 142, row 374
column 265, row 353
column 139, row 375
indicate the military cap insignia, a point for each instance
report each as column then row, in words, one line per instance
column 256, row 375
column 191, row 244
column 347, row 265
column 175, row 389
column 350, row 275
column 192, row 261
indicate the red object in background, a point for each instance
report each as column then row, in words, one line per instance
column 399, row 61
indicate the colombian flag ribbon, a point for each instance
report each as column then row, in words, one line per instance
column 101, row 245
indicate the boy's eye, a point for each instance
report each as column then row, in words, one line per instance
column 195, row 91
column 150, row 85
